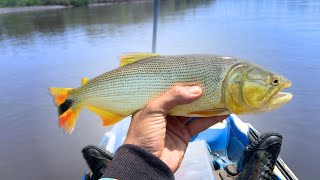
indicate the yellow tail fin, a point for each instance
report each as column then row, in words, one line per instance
column 68, row 111
column 59, row 94
column 68, row 119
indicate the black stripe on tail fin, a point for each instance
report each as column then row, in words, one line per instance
column 65, row 106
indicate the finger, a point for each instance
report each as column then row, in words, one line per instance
column 201, row 124
column 177, row 95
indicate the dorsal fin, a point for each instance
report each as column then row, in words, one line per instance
column 84, row 80
column 134, row 57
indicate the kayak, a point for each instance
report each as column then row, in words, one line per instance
column 210, row 153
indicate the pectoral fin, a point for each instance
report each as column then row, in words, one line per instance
column 107, row 118
column 134, row 57
column 210, row 112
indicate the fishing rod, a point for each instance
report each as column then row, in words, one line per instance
column 155, row 24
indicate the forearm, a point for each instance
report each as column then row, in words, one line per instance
column 133, row 162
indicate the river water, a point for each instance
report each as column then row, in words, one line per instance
column 59, row 47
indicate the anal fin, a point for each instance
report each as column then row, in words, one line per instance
column 107, row 118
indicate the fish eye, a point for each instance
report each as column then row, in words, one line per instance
column 275, row 81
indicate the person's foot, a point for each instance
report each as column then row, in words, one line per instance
column 260, row 157
column 97, row 160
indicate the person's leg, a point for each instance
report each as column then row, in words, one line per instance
column 97, row 160
column 260, row 157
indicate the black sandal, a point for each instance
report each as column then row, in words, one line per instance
column 97, row 160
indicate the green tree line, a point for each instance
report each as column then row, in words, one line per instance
column 13, row 3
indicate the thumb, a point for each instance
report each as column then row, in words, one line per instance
column 177, row 95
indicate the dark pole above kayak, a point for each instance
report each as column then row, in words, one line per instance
column 155, row 25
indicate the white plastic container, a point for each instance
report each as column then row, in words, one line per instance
column 197, row 163
column 113, row 139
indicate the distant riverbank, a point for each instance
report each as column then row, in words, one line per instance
column 31, row 8
column 4, row 10
column 66, row 4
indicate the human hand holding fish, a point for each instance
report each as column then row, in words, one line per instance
column 165, row 136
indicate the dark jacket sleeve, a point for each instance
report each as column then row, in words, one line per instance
column 133, row 162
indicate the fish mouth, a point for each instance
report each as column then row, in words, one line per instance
column 279, row 98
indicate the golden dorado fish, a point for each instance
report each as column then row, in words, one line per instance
column 230, row 85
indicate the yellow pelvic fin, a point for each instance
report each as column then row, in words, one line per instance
column 84, row 80
column 68, row 119
column 107, row 118
column 134, row 57
column 209, row 112
column 59, row 94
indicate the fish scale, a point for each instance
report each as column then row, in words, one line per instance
column 132, row 86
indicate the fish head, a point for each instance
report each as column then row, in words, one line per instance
column 251, row 88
